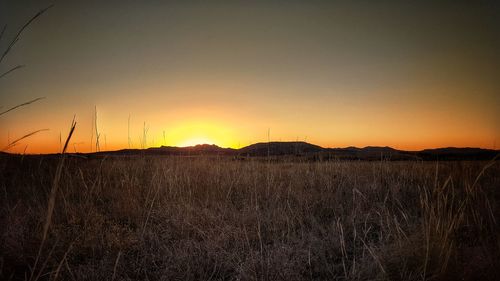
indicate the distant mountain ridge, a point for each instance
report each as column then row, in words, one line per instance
column 312, row 151
column 280, row 148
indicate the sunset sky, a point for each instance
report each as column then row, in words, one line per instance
column 406, row 74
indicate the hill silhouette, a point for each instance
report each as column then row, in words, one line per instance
column 313, row 152
column 280, row 148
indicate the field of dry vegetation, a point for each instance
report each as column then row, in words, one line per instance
column 200, row 218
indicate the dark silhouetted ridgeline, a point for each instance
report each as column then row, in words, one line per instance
column 309, row 151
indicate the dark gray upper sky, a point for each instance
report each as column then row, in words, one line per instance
column 409, row 74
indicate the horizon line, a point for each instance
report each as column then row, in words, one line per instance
column 268, row 142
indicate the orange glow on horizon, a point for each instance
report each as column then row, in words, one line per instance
column 199, row 132
column 237, row 123
column 195, row 141
column 229, row 126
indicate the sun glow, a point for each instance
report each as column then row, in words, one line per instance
column 201, row 132
column 195, row 141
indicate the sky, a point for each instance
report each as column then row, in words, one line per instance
column 405, row 74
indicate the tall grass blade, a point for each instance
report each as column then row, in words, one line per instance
column 20, row 105
column 11, row 70
column 15, row 142
column 52, row 197
column 20, row 31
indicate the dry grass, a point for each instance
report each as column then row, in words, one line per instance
column 172, row 218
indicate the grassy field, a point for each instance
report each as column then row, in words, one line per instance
column 200, row 218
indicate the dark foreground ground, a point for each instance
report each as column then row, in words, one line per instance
column 198, row 218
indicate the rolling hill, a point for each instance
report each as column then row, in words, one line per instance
column 311, row 151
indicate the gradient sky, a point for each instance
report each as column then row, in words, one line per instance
column 407, row 74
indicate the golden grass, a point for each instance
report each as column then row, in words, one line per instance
column 200, row 218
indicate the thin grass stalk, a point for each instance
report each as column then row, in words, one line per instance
column 11, row 70
column 116, row 265
column 59, row 266
column 20, row 105
column 128, row 132
column 52, row 197
column 2, row 32
column 97, row 134
column 16, row 141
column 20, row 31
